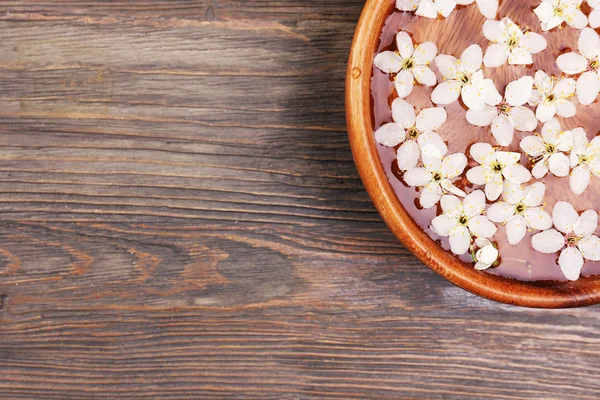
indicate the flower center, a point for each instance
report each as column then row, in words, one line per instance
column 572, row 239
column 413, row 133
column 513, row 42
column 437, row 177
column 594, row 64
column 520, row 208
column 463, row 220
column 503, row 108
column 559, row 9
column 550, row 148
column 497, row 166
column 583, row 159
column 408, row 63
column 551, row 97
column 464, row 78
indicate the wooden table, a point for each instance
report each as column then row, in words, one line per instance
column 180, row 218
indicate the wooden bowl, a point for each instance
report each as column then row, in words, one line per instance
column 543, row 294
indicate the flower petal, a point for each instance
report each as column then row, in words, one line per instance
column 571, row 63
column 586, row 224
column 493, row 187
column 471, row 58
column 538, row 218
column 427, row 9
column 496, row 54
column 508, row 157
column 453, row 165
column 480, row 226
column 430, row 195
column 565, row 108
column 447, row 65
column 474, row 203
column 519, row 91
column 483, row 117
column 548, row 242
column 589, row 43
column 564, row 216
column 577, row 19
column 540, row 169
column 443, row 225
column 523, row 119
column 388, row 62
column 424, row 75
column 432, row 145
column 404, row 83
column 403, row 113
column 451, row 205
column 407, row 5
column 516, row 228
column 483, row 153
column 559, row 164
column 500, row 211
column 431, row 119
column 390, row 134
column 486, row 256
column 495, row 31
column 545, row 112
column 565, row 87
column 446, row 92
column 460, row 240
column 520, row 56
column 474, row 96
column 476, row 175
column 532, row 145
column 417, row 177
column 512, row 193
column 594, row 18
column 533, row 42
column 570, row 262
column 408, row 155
column 588, row 87
column 550, row 130
column 542, row 81
column 492, row 97
column 590, row 247
column 534, row 194
column 517, row 174
column 450, row 188
column 425, row 53
column 432, row 164
column 404, row 44
column 488, row 8
column 503, row 130
column 579, row 179
column 445, row 7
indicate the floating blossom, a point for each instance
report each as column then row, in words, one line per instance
column 547, row 151
column 594, row 16
column 435, row 177
column 588, row 84
column 416, row 133
column 552, row 97
column 509, row 113
column 574, row 235
column 510, row 43
column 521, row 209
column 462, row 219
column 494, row 168
column 427, row 8
column 464, row 78
column 488, row 8
column 487, row 254
column 585, row 160
column 553, row 13
column 409, row 63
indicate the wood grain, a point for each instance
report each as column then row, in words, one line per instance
column 181, row 218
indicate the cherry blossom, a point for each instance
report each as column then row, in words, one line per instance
column 585, row 160
column 435, row 176
column 464, row 78
column 427, row 8
column 588, row 84
column 486, row 255
column 520, row 209
column 495, row 167
column 509, row 113
column 488, row 8
column 572, row 235
column 462, row 219
column 510, row 43
column 409, row 63
column 594, row 16
column 553, row 13
column 552, row 97
column 546, row 151
column 416, row 133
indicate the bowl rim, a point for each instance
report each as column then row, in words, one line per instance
column 539, row 294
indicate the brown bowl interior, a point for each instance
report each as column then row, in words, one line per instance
column 585, row 291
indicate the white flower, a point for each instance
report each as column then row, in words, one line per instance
column 573, row 231
column 585, row 160
column 588, row 84
column 435, row 177
column 510, row 43
column 488, row 8
column 487, row 254
column 553, row 13
column 460, row 220
column 409, row 63
column 552, row 97
column 508, row 114
column 547, row 151
column 464, row 77
column 415, row 131
column 495, row 166
column 594, row 16
column 521, row 209
column 427, row 8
